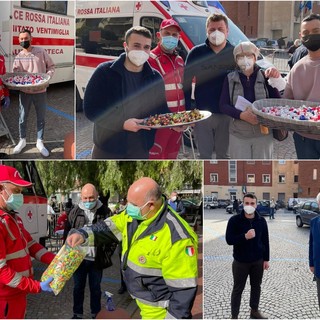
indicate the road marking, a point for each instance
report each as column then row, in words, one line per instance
column 61, row 113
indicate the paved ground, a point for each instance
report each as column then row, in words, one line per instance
column 282, row 150
column 288, row 291
column 48, row 306
column 59, row 122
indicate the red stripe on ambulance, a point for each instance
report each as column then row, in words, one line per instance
column 47, row 41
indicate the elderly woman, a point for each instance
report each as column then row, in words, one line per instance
column 248, row 139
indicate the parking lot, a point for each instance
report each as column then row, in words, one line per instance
column 288, row 290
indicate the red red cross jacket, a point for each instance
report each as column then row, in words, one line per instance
column 4, row 92
column 16, row 249
column 167, row 142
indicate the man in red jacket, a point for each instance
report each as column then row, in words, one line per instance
column 165, row 59
column 16, row 249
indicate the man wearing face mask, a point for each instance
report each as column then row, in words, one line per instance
column 89, row 211
column 248, row 233
column 248, row 140
column 16, row 249
column 32, row 60
column 119, row 95
column 159, row 250
column 176, row 204
column 304, row 82
column 165, row 59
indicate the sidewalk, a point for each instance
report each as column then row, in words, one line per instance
column 47, row 306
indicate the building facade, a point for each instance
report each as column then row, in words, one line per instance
column 278, row 179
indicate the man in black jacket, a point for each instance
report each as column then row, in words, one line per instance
column 89, row 211
column 119, row 95
column 248, row 233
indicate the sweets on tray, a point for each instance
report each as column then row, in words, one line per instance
column 26, row 80
column 62, row 267
column 302, row 113
column 173, row 118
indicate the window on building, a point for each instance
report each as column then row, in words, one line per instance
column 213, row 177
column 266, row 178
column 282, row 178
column 266, row 195
column 249, row 9
column 282, row 162
column 251, row 162
column 315, row 174
column 266, row 162
column 213, row 161
column 232, row 171
column 296, row 178
column 251, row 178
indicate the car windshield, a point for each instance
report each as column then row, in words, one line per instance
column 195, row 29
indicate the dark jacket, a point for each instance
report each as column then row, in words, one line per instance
column 314, row 246
column 300, row 52
column 210, row 69
column 106, row 104
column 248, row 250
column 177, row 206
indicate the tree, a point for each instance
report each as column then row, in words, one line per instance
column 117, row 176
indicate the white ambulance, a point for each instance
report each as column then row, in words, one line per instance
column 101, row 26
column 51, row 24
column 34, row 210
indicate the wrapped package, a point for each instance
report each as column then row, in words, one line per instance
column 62, row 267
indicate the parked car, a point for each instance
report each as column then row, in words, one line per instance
column 272, row 44
column 211, row 205
column 263, row 207
column 306, row 212
column 223, row 203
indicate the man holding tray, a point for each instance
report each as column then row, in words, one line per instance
column 304, row 83
column 32, row 60
column 119, row 95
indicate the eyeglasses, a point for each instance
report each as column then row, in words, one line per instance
column 250, row 203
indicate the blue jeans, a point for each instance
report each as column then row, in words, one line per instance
column 306, row 148
column 40, row 102
column 80, row 276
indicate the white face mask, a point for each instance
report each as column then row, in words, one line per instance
column 245, row 63
column 216, row 37
column 137, row 57
column 174, row 198
column 249, row 209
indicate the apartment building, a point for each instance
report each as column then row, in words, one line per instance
column 282, row 179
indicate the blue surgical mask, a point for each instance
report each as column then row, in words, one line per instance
column 135, row 212
column 169, row 42
column 90, row 204
column 15, row 201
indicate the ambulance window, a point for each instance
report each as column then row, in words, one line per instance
column 104, row 36
column 59, row 7
column 153, row 25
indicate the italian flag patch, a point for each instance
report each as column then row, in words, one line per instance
column 190, row 251
column 153, row 237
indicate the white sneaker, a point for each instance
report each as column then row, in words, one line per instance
column 18, row 148
column 40, row 146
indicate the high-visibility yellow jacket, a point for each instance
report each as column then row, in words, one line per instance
column 159, row 259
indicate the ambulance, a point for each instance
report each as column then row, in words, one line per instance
column 51, row 24
column 101, row 26
column 34, row 210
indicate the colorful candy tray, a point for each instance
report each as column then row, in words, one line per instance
column 295, row 115
column 26, row 81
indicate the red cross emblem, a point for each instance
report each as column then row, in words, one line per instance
column 183, row 6
column 138, row 6
column 30, row 214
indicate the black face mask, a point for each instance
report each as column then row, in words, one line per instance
column 25, row 44
column 311, row 41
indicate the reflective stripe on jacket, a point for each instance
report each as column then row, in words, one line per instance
column 171, row 68
column 16, row 249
